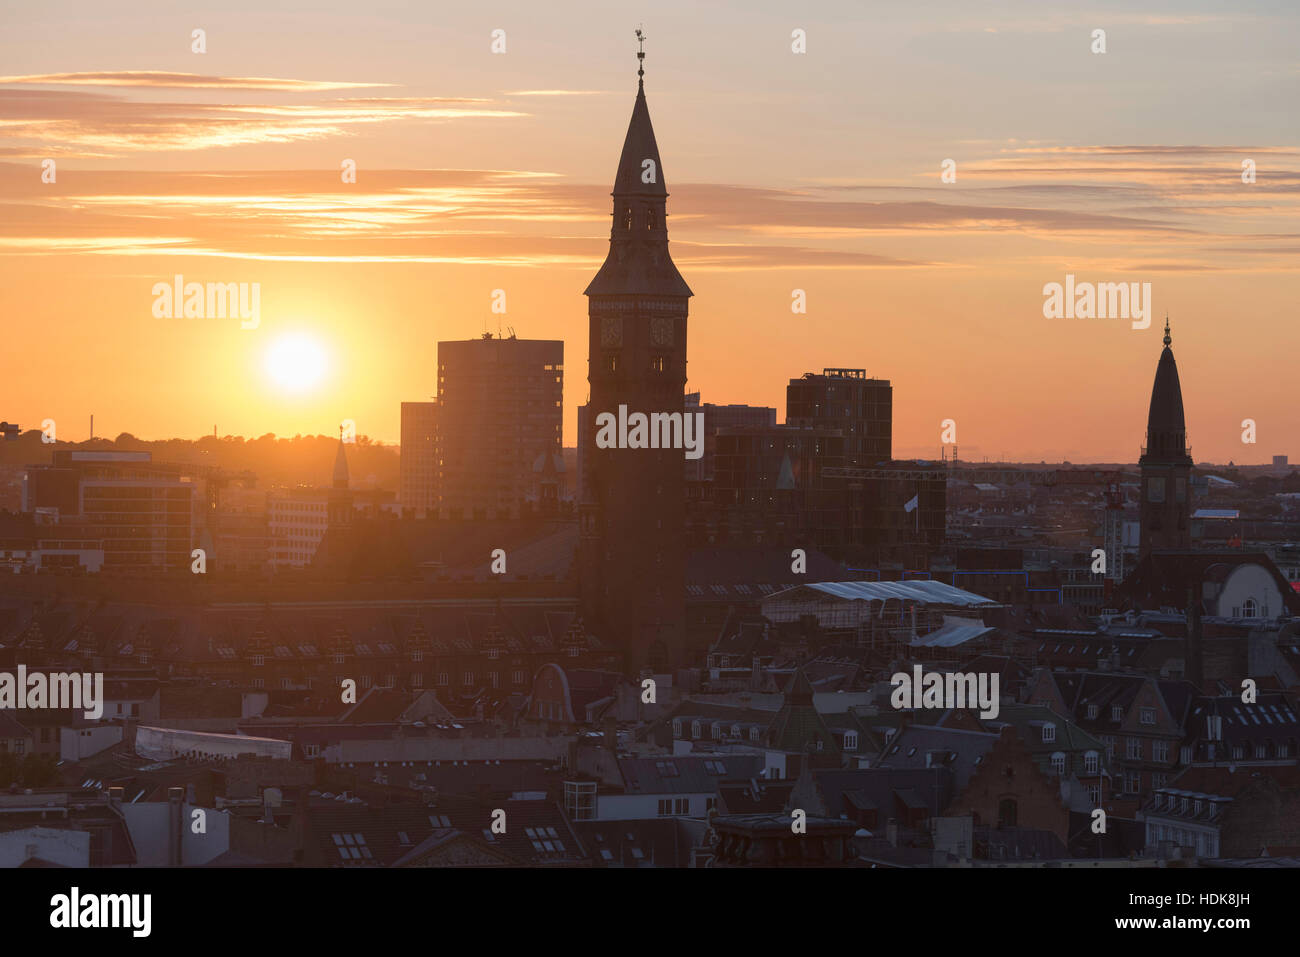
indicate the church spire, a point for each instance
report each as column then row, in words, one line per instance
column 638, row 262
column 341, row 464
column 1166, row 427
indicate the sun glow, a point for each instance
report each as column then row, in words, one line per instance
column 296, row 363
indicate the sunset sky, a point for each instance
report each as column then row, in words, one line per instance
column 819, row 171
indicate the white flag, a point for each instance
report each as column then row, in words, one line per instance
column 912, row 503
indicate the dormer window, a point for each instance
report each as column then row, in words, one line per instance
column 1049, row 732
column 1116, row 713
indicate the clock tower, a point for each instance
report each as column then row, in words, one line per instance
column 633, row 516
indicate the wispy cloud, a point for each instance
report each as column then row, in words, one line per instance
column 109, row 124
column 555, row 93
column 158, row 78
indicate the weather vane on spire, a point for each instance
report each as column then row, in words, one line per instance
column 640, row 53
column 1167, row 339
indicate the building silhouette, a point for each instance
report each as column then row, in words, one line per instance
column 845, row 399
column 632, row 522
column 417, row 489
column 499, row 409
column 1166, row 463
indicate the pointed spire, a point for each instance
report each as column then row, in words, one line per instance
column 341, row 464
column 1166, row 427
column 639, row 262
column 785, row 478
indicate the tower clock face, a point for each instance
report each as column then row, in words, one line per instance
column 661, row 331
column 611, row 331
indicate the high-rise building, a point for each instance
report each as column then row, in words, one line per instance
column 1166, row 463
column 141, row 511
column 418, row 489
column 500, row 409
column 845, row 399
column 768, row 482
column 633, row 522
column 717, row 417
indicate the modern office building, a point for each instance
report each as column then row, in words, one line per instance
column 139, row 510
column 418, row 486
column 499, row 409
column 845, row 399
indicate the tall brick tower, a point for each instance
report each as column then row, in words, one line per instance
column 1166, row 463
column 633, row 514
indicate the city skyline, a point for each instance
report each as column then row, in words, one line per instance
column 474, row 176
column 796, row 592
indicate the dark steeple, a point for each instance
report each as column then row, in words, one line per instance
column 638, row 262
column 1166, row 429
column 1166, row 463
column 633, row 514
column 340, row 479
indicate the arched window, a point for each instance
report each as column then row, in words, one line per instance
column 627, row 217
column 649, row 217
column 1249, row 608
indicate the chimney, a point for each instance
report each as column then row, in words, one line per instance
column 174, row 825
column 115, row 795
column 611, row 734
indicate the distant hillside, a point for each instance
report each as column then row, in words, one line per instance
column 300, row 460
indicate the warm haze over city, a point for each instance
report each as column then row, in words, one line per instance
column 478, row 171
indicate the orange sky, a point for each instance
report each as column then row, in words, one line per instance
column 817, row 171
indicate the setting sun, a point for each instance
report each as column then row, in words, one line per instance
column 296, row 363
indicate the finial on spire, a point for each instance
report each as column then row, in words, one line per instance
column 640, row 56
column 1167, row 339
